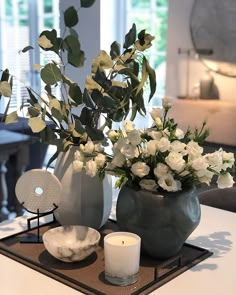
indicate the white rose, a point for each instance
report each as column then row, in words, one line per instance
column 175, row 161
column 118, row 160
column 112, row 135
column 215, row 160
column 225, row 180
column 194, row 150
column 169, row 184
column 78, row 156
column 199, row 163
column 204, row 176
column 134, row 137
column 89, row 147
column 152, row 147
column 140, row 169
column 77, row 166
column 129, row 151
column 228, row 160
column 178, row 146
column 155, row 134
column 91, row 168
column 161, row 170
column 163, row 145
column 129, row 126
column 100, row 160
column 148, row 184
column 156, row 113
column 179, row 133
column 121, row 142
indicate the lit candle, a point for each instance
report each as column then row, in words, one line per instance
column 122, row 256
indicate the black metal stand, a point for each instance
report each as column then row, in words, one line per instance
column 35, row 238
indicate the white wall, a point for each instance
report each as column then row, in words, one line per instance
column 178, row 36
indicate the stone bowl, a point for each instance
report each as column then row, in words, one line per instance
column 72, row 242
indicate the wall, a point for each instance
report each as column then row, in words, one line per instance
column 179, row 37
column 88, row 29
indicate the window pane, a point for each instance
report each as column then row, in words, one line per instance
column 8, row 7
column 162, row 3
column 48, row 6
column 140, row 3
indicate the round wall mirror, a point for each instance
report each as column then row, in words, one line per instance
column 213, row 28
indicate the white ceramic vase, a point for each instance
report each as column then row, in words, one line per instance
column 85, row 200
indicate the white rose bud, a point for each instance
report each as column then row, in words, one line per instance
column 91, row 168
column 100, row 160
column 225, row 180
column 167, row 102
column 112, row 135
column 140, row 169
column 77, row 166
column 78, row 156
column 228, row 160
column 156, row 113
column 215, row 160
column 148, row 184
column 178, row 146
column 89, row 147
column 129, row 126
column 179, row 133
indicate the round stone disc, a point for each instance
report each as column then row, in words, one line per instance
column 38, row 190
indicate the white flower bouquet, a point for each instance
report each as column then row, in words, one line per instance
column 162, row 157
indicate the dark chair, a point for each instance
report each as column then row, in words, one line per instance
column 219, row 198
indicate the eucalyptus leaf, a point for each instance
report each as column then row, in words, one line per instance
column 152, row 80
column 75, row 93
column 87, row 3
column 71, row 18
column 33, row 111
column 11, row 118
column 78, row 126
column 94, row 134
column 36, row 124
column 27, row 48
column 76, row 60
column 5, row 88
column 57, row 114
column 115, row 50
column 87, row 100
column 130, row 37
column 144, row 75
column 52, row 37
column 50, row 74
column 86, row 116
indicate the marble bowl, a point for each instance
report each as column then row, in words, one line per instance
column 72, row 242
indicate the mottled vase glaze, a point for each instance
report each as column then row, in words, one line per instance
column 163, row 221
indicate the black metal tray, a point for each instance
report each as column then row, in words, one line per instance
column 87, row 276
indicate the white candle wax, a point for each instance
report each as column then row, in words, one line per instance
column 122, row 254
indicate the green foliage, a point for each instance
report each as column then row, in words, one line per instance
column 112, row 91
